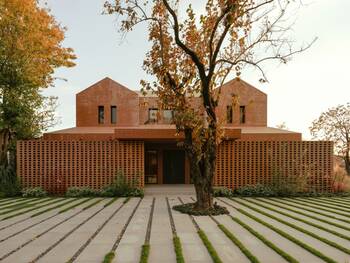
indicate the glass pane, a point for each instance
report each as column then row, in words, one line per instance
column 113, row 114
column 153, row 115
column 101, row 114
column 167, row 116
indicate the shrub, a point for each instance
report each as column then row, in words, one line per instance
column 256, row 190
column 223, row 192
column 123, row 187
column 34, row 192
column 9, row 184
column 82, row 192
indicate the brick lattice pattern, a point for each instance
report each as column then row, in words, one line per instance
column 242, row 163
column 57, row 165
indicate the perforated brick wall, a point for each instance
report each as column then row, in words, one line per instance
column 241, row 163
column 57, row 165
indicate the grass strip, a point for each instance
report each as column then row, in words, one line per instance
column 300, row 229
column 327, row 202
column 74, row 205
column 239, row 244
column 214, row 255
column 145, row 253
column 10, row 201
column 303, row 214
column 178, row 250
column 341, row 201
column 32, row 209
column 52, row 208
column 109, row 257
column 92, row 204
column 316, row 207
column 287, row 236
column 20, row 205
column 268, row 243
column 324, row 205
column 111, row 201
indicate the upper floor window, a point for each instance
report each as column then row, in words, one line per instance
column 101, row 114
column 153, row 115
column 113, row 114
column 168, row 116
column 229, row 114
column 242, row 114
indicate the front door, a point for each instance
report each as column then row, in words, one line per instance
column 173, row 167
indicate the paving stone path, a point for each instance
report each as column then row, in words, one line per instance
column 290, row 230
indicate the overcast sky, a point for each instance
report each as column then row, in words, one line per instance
column 297, row 92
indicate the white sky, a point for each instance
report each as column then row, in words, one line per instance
column 297, row 92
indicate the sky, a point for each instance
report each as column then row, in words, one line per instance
column 298, row 92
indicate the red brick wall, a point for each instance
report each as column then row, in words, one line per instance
column 57, row 165
column 241, row 163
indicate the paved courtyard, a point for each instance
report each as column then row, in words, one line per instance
column 257, row 230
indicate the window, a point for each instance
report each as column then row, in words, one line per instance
column 168, row 116
column 242, row 114
column 101, row 114
column 152, row 115
column 113, row 114
column 229, row 114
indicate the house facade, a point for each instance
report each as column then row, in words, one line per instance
column 118, row 129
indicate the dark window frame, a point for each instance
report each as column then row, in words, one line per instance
column 101, row 114
column 242, row 114
column 114, row 120
column 229, row 114
column 151, row 120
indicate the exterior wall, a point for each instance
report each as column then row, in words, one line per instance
column 270, row 137
column 253, row 99
column 57, row 165
column 242, row 163
column 107, row 93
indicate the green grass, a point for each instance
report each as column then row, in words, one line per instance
column 178, row 250
column 92, row 204
column 316, row 207
column 24, row 204
column 289, row 237
column 303, row 220
column 111, row 201
column 74, row 205
column 268, row 243
column 300, row 229
column 52, row 208
column 214, row 255
column 109, row 257
column 43, row 204
column 145, row 253
column 312, row 211
column 329, row 202
column 10, row 200
column 324, row 205
column 239, row 244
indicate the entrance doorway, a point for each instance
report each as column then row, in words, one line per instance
column 173, row 167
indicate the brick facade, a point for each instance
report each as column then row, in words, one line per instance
column 91, row 153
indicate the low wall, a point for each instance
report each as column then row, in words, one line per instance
column 241, row 163
column 57, row 165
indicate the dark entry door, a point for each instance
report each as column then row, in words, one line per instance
column 173, row 167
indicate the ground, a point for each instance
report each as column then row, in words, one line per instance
column 257, row 230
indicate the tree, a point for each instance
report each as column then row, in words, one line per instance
column 192, row 55
column 30, row 50
column 334, row 125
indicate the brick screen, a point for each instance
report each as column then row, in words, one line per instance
column 57, row 165
column 249, row 162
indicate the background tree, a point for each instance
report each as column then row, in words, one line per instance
column 334, row 125
column 192, row 55
column 30, row 50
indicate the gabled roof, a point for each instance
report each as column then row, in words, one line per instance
column 239, row 81
column 109, row 83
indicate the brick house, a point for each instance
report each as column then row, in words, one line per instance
column 121, row 129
